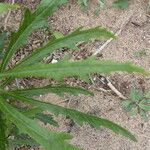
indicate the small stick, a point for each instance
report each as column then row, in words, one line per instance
column 17, row 83
column 99, row 89
column 106, row 81
column 109, row 84
column 106, row 43
column 61, row 102
column 116, row 34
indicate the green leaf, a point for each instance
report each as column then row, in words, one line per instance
column 147, row 95
column 38, row 114
column 6, row 7
column 136, row 95
column 30, row 23
column 19, row 142
column 127, row 105
column 83, row 3
column 58, row 35
column 53, row 89
column 77, row 116
column 68, row 41
column 65, row 68
column 145, row 107
column 134, row 111
column 3, row 37
column 122, row 4
column 31, row 113
column 144, row 115
column 100, row 5
column 46, row 119
column 48, row 139
column 2, row 132
column 147, row 101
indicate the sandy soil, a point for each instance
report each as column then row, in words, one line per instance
column 134, row 37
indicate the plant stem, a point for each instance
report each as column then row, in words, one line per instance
column 2, row 133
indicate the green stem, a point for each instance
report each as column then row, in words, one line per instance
column 2, row 133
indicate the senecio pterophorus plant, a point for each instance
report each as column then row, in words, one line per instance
column 15, row 121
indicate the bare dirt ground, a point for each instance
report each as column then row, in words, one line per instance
column 135, row 36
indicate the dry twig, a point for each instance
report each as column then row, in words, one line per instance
column 110, row 40
column 109, row 84
column 99, row 89
column 64, row 101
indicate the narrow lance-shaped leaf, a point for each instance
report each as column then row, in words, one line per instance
column 147, row 101
column 31, row 22
column 144, row 115
column 48, row 139
column 145, row 107
column 122, row 4
column 20, row 142
column 3, row 36
column 53, row 89
column 2, row 132
column 68, row 41
column 77, row 116
column 31, row 112
column 46, row 119
column 37, row 113
column 65, row 68
column 6, row 7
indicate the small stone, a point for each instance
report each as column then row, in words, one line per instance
column 54, row 61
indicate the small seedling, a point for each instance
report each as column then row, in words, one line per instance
column 100, row 5
column 141, row 53
column 122, row 4
column 84, row 4
column 138, row 103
